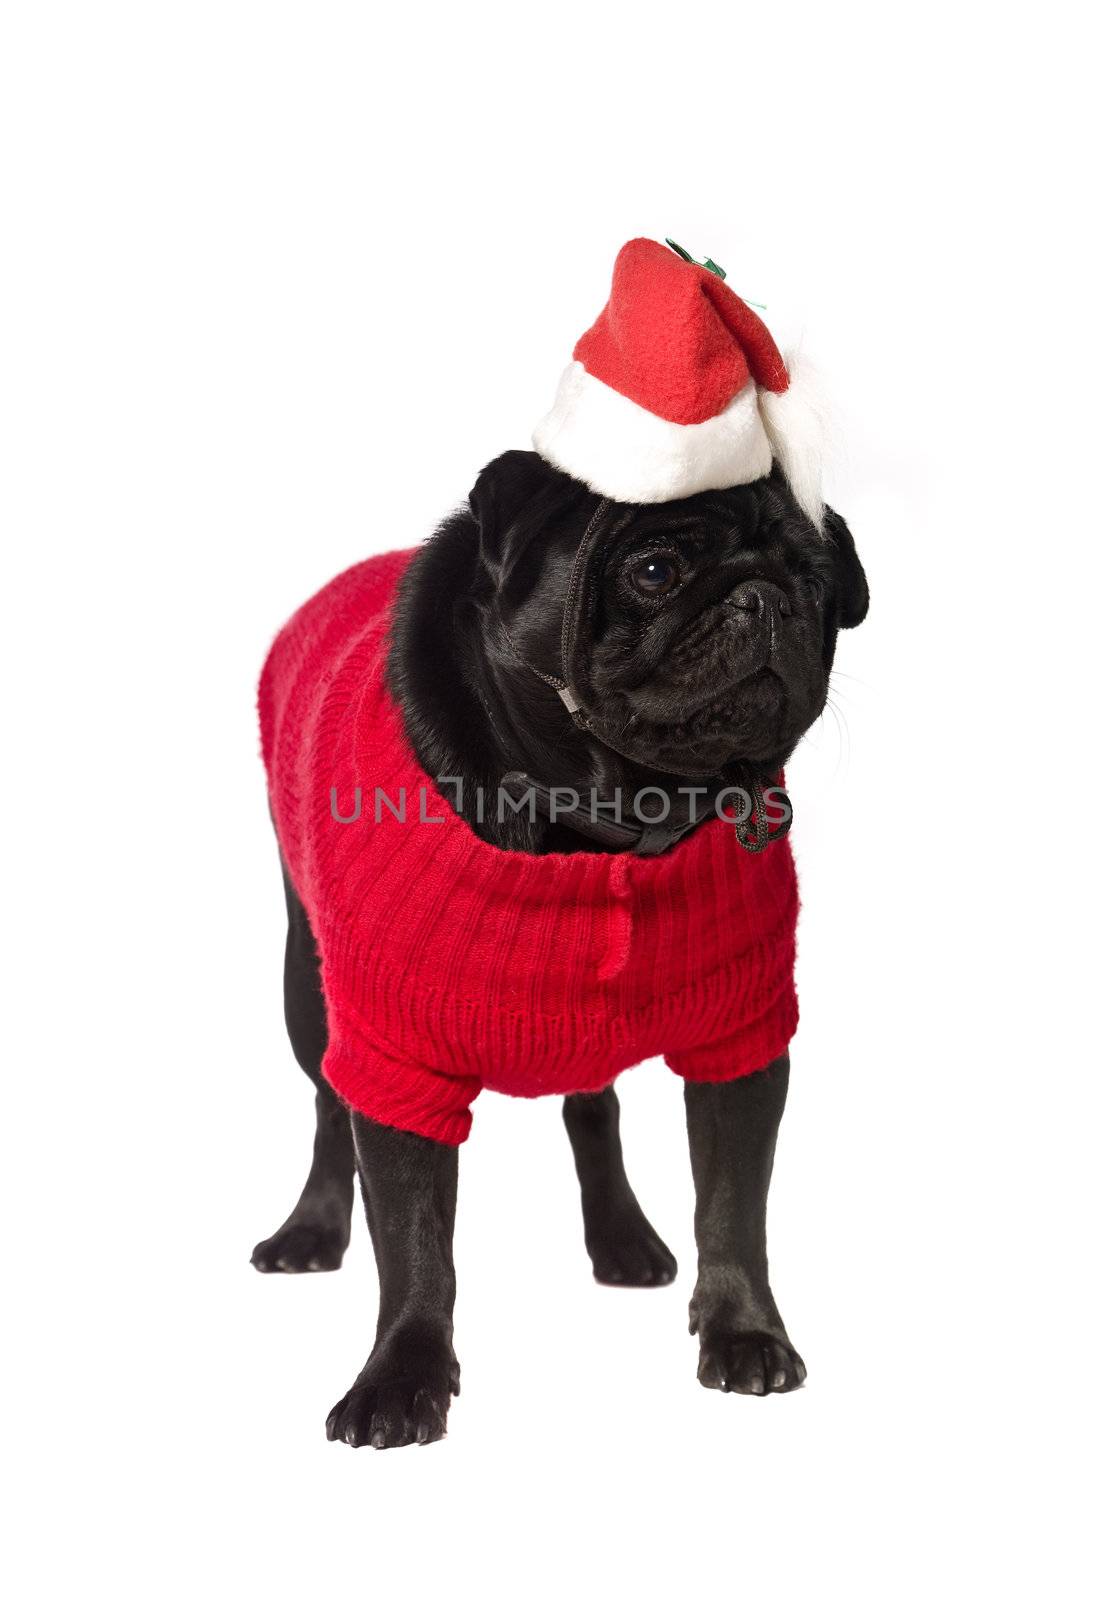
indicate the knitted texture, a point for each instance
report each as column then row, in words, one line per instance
column 449, row 965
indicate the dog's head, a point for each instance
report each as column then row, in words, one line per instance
column 695, row 633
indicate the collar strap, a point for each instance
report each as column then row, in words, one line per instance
column 574, row 594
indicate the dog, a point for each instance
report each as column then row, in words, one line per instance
column 549, row 643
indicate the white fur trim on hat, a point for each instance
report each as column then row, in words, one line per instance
column 796, row 422
column 627, row 453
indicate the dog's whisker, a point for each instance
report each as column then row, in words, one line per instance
column 838, row 717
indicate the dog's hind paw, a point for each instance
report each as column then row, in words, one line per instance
column 302, row 1247
column 627, row 1252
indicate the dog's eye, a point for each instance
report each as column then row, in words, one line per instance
column 811, row 590
column 656, row 577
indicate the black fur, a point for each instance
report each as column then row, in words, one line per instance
column 731, row 664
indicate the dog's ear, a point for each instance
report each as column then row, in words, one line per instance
column 852, row 590
column 503, row 490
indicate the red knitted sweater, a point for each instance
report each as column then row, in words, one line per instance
column 449, row 965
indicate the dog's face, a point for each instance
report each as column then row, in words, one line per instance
column 704, row 630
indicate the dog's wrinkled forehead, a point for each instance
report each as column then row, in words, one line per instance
column 756, row 517
column 534, row 520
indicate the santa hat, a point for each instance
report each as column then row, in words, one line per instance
column 678, row 387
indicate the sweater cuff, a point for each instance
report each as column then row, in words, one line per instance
column 752, row 1049
column 400, row 1094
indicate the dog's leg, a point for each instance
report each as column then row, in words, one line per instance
column 623, row 1247
column 315, row 1234
column 732, row 1135
column 403, row 1393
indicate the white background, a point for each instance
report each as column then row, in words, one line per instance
column 278, row 280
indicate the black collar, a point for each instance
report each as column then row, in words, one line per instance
column 654, row 838
column 596, row 821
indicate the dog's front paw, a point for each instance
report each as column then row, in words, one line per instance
column 387, row 1414
column 401, row 1396
column 748, row 1362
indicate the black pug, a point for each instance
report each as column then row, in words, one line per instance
column 706, row 629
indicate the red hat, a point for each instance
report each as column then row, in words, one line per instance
column 678, row 387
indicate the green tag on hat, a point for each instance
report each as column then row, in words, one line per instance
column 712, row 266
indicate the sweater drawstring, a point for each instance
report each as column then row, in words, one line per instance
column 619, row 927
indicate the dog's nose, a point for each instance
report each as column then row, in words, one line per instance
column 760, row 597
